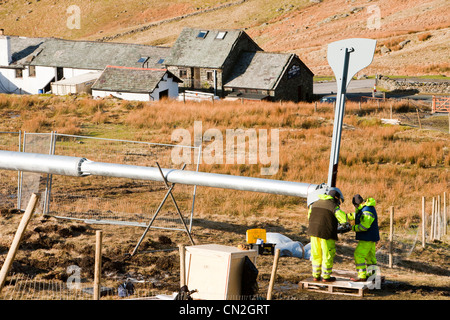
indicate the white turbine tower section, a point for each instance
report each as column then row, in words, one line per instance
column 346, row 58
column 76, row 166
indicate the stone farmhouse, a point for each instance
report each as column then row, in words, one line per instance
column 230, row 63
column 227, row 63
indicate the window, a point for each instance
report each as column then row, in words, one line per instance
column 32, row 71
column 183, row 73
column 221, row 35
column 161, row 61
column 210, row 75
column 143, row 59
column 202, row 34
column 19, row 73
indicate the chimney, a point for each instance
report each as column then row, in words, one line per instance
column 5, row 50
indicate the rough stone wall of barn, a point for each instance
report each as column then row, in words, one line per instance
column 296, row 76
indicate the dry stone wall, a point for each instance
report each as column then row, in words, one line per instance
column 417, row 85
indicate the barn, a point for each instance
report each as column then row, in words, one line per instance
column 270, row 76
column 141, row 84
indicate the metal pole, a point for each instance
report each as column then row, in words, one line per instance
column 338, row 120
column 78, row 166
column 19, row 177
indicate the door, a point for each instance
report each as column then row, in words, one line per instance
column 197, row 84
column 164, row 94
column 59, row 73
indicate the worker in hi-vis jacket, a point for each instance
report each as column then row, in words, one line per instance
column 324, row 217
column 367, row 234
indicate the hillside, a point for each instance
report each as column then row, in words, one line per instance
column 416, row 33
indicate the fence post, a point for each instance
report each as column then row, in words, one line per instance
column 418, row 119
column 424, row 223
column 445, row 211
column 391, row 236
column 98, row 264
column 182, row 265
column 436, row 216
column 439, row 218
column 273, row 274
column 432, row 220
column 18, row 238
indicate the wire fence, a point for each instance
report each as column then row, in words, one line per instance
column 9, row 141
column 20, row 286
column 107, row 199
column 428, row 226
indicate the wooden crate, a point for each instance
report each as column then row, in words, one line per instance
column 340, row 286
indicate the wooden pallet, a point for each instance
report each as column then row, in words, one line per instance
column 342, row 286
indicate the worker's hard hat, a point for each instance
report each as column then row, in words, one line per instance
column 336, row 193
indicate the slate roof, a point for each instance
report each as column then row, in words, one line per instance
column 190, row 50
column 97, row 55
column 126, row 79
column 93, row 55
column 258, row 70
column 23, row 48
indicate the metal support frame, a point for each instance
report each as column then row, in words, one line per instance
column 169, row 192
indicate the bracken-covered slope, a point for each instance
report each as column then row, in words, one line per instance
column 413, row 36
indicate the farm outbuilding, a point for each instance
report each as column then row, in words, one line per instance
column 75, row 85
column 141, row 84
column 270, row 76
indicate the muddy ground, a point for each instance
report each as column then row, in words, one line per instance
column 51, row 245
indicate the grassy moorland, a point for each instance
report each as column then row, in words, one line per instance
column 396, row 165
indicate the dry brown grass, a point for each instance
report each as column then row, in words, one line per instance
column 397, row 165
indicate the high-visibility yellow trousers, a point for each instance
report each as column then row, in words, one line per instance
column 322, row 257
column 364, row 257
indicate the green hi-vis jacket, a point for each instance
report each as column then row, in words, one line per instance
column 366, row 221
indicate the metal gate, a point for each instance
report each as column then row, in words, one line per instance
column 441, row 104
